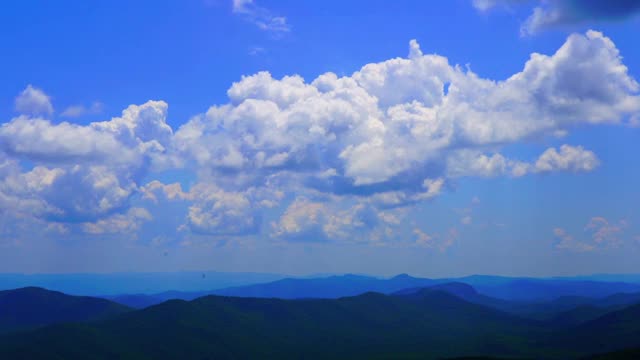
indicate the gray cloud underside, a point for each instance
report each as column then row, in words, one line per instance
column 549, row 14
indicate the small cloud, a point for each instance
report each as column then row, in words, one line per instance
column 33, row 101
column 567, row 242
column 256, row 50
column 605, row 233
column 423, row 239
column 466, row 220
column 569, row 158
column 261, row 17
column 440, row 242
column 484, row 5
column 74, row 111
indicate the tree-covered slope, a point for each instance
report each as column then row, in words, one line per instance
column 32, row 307
column 369, row 325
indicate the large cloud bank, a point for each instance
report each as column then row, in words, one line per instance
column 336, row 155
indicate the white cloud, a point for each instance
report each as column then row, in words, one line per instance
column 472, row 163
column 307, row 220
column 261, row 17
column 77, row 193
column 435, row 241
column 388, row 127
column 567, row 242
column 169, row 191
column 140, row 133
column 392, row 134
column 256, row 50
column 128, row 223
column 33, row 101
column 302, row 220
column 81, row 172
column 569, row 158
column 603, row 234
column 217, row 212
column 75, row 111
column 485, row 5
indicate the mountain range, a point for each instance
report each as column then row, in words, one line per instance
column 438, row 320
column 514, row 290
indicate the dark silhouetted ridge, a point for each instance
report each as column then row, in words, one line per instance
column 31, row 307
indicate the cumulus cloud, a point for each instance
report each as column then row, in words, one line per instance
column 140, row 133
column 303, row 220
column 389, row 126
column 568, row 158
column 128, row 223
column 308, row 220
column 33, row 101
column 218, row 212
column 392, row 134
column 77, row 193
column 215, row 211
column 81, row 172
column 261, row 17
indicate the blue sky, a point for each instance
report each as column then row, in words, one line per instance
column 433, row 138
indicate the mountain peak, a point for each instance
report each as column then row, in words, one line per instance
column 402, row 276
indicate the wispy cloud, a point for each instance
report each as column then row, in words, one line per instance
column 261, row 17
column 565, row 241
column 601, row 234
column 256, row 50
column 437, row 241
column 604, row 232
column 75, row 111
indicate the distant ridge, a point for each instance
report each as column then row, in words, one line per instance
column 31, row 307
column 433, row 325
column 498, row 289
column 329, row 287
